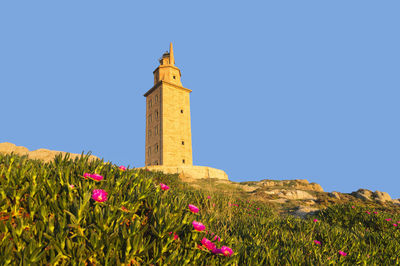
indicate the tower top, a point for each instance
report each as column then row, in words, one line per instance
column 168, row 57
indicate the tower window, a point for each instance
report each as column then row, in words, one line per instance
column 181, row 111
column 149, row 151
column 156, row 130
column 156, row 114
column 183, row 143
column 156, row 99
column 173, row 77
column 150, row 103
column 156, row 147
column 183, row 161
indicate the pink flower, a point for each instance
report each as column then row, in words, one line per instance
column 375, row 212
column 99, row 195
column 71, row 186
column 208, row 244
column 398, row 222
column 315, row 220
column 213, row 204
column 394, row 224
column 317, row 242
column 193, row 208
column 123, row 168
column 175, row 235
column 208, row 197
column 368, row 212
column 342, row 253
column 216, row 251
column 96, row 177
column 164, row 187
column 226, row 251
column 353, row 207
column 198, row 226
column 388, row 219
column 217, row 237
column 86, row 175
column 258, row 208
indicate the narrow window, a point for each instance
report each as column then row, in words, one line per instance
column 173, row 77
column 156, row 98
column 156, row 114
column 150, row 103
column 149, row 151
column 183, row 161
column 156, row 147
column 156, row 130
column 181, row 111
column 183, row 143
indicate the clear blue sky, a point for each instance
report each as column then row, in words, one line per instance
column 281, row 89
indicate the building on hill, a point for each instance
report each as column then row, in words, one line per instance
column 168, row 137
column 168, row 132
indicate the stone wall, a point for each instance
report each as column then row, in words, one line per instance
column 186, row 171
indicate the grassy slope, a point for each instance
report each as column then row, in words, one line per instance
column 43, row 220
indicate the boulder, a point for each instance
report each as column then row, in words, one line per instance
column 382, row 196
column 363, row 194
column 41, row 154
column 334, row 194
column 303, row 211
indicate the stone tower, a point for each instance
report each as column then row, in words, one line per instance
column 168, row 131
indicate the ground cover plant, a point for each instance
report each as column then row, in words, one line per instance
column 69, row 212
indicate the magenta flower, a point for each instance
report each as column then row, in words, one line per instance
column 123, row 168
column 342, row 253
column 175, row 235
column 398, row 222
column 375, row 212
column 353, row 207
column 226, row 251
column 198, row 226
column 317, row 242
column 388, row 219
column 368, row 212
column 99, row 195
column 96, row 177
column 193, row 208
column 164, row 186
column 71, row 186
column 216, row 251
column 86, row 175
column 208, row 197
column 208, row 244
column 315, row 220
column 394, row 224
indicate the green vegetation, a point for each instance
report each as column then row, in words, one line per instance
column 48, row 215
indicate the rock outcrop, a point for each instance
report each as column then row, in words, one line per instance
column 301, row 184
column 368, row 195
column 41, row 154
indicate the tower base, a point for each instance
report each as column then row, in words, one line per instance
column 190, row 171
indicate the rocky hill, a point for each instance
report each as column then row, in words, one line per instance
column 295, row 197
column 40, row 154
